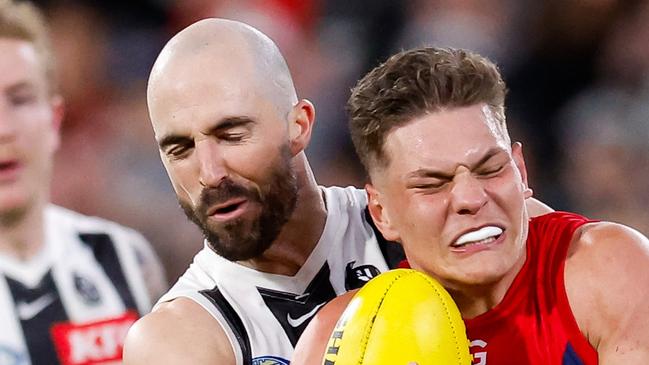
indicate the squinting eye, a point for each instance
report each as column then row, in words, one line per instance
column 492, row 171
column 430, row 186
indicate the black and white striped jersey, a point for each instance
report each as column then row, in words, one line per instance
column 73, row 302
column 264, row 314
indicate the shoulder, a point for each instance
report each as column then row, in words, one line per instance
column 613, row 247
column 59, row 218
column 99, row 231
column 130, row 246
column 606, row 276
column 178, row 332
column 312, row 344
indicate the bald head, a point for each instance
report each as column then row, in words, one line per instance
column 228, row 53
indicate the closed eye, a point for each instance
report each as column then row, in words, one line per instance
column 491, row 171
column 178, row 151
column 429, row 187
column 232, row 136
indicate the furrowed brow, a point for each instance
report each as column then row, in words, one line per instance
column 436, row 174
column 487, row 156
column 429, row 173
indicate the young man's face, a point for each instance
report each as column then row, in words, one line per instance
column 225, row 148
column 29, row 120
column 453, row 193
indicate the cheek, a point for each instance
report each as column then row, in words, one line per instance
column 508, row 194
column 421, row 219
column 181, row 178
column 39, row 139
column 254, row 163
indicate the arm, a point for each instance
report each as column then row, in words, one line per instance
column 312, row 344
column 178, row 332
column 607, row 281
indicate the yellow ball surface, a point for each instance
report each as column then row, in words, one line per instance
column 398, row 317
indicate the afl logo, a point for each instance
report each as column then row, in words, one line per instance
column 269, row 360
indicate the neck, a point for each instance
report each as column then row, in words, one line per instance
column 474, row 300
column 22, row 233
column 301, row 233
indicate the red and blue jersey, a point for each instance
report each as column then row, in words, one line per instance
column 534, row 324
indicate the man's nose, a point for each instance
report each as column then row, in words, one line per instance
column 468, row 194
column 212, row 165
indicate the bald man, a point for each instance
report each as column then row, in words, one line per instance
column 232, row 134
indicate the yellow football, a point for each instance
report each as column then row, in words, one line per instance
column 399, row 317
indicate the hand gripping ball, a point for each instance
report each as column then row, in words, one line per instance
column 399, row 317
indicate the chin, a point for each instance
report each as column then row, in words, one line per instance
column 463, row 279
column 13, row 200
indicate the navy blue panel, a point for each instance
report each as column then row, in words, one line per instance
column 103, row 248
column 295, row 311
column 570, row 357
column 42, row 307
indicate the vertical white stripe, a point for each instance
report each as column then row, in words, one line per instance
column 11, row 333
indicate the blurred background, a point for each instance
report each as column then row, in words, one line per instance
column 577, row 70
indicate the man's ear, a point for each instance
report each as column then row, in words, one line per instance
column 519, row 160
column 301, row 122
column 380, row 215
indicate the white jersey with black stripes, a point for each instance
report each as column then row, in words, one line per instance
column 264, row 314
column 73, row 302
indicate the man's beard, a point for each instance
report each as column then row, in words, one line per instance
column 240, row 238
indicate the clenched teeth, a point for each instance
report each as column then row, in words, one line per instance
column 482, row 235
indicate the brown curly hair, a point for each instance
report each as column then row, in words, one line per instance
column 416, row 82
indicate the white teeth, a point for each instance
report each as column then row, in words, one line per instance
column 479, row 235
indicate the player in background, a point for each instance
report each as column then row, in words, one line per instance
column 70, row 285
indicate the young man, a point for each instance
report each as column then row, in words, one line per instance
column 232, row 135
column 447, row 183
column 70, row 285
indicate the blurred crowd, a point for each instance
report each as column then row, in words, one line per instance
column 577, row 70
